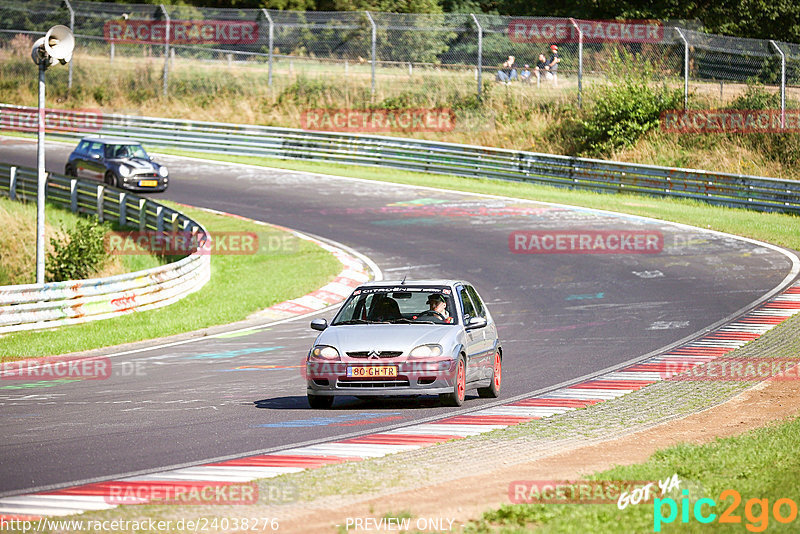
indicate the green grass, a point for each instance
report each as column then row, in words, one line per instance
column 761, row 464
column 776, row 228
column 18, row 242
column 239, row 286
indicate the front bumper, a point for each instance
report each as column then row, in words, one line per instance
column 139, row 183
column 413, row 378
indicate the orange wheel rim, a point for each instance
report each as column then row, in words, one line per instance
column 498, row 370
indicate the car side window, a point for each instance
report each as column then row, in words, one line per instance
column 96, row 148
column 466, row 303
column 83, row 147
column 480, row 309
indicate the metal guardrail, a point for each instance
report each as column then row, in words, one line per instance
column 35, row 306
column 735, row 190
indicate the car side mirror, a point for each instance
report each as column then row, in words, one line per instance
column 476, row 322
column 319, row 324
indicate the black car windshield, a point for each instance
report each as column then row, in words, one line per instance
column 398, row 305
column 125, row 151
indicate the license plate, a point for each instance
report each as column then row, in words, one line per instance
column 372, row 371
column 148, row 183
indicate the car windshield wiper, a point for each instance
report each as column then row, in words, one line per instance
column 401, row 320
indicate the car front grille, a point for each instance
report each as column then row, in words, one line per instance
column 396, row 383
column 379, row 354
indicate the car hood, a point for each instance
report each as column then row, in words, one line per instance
column 389, row 337
column 138, row 163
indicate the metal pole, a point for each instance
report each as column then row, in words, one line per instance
column 42, row 180
column 783, row 83
column 480, row 52
column 685, row 69
column 166, row 48
column 72, row 29
column 580, row 62
column 374, row 52
column 271, row 39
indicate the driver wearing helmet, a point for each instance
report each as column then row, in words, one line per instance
column 437, row 309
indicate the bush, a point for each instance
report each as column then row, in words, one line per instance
column 756, row 97
column 78, row 254
column 625, row 110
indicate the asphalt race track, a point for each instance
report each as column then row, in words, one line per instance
column 560, row 317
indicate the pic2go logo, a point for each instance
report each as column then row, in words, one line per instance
column 783, row 511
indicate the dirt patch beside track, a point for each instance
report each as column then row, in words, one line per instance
column 467, row 498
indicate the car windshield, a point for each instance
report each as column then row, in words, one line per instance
column 125, row 151
column 398, row 305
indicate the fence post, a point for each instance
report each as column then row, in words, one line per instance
column 783, row 83
column 142, row 214
column 72, row 29
column 685, row 69
column 110, row 54
column 101, row 191
column 374, row 51
column 12, row 183
column 73, row 195
column 580, row 62
column 166, row 47
column 271, row 39
column 123, row 209
column 480, row 52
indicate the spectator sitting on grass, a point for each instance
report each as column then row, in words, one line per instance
column 525, row 74
column 507, row 72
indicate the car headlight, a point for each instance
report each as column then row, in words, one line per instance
column 163, row 172
column 325, row 352
column 426, row 351
column 124, row 171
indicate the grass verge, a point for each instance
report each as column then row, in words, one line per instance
column 18, row 243
column 763, row 465
column 255, row 281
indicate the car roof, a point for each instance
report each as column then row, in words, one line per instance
column 112, row 140
column 401, row 283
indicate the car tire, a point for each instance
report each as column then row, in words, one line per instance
column 69, row 170
column 111, row 179
column 493, row 391
column 320, row 402
column 456, row 398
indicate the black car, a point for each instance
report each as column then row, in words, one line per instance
column 118, row 162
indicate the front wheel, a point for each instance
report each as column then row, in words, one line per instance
column 69, row 170
column 111, row 179
column 320, row 402
column 456, row 398
column 493, row 391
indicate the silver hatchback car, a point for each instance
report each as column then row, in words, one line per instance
column 430, row 337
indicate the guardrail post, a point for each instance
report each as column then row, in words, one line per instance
column 73, row 195
column 580, row 62
column 12, row 184
column 123, row 209
column 166, row 47
column 783, row 83
column 142, row 214
column 72, row 29
column 374, row 49
column 685, row 69
column 101, row 190
column 271, row 40
column 159, row 219
column 480, row 52
column 174, row 225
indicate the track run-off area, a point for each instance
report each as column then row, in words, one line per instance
column 563, row 315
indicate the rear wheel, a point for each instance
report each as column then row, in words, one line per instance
column 319, row 402
column 456, row 398
column 493, row 391
column 69, row 170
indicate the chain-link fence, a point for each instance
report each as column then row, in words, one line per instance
column 178, row 50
